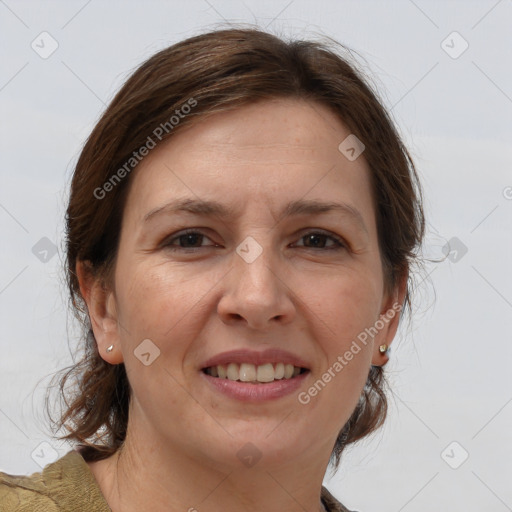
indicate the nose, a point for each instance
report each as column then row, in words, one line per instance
column 256, row 293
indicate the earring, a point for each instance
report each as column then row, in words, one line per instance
column 383, row 349
column 109, row 349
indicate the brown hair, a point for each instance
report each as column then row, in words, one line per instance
column 220, row 70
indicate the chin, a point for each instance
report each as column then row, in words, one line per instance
column 266, row 444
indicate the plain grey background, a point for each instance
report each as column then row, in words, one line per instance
column 442, row 69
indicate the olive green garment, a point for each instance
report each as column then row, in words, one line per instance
column 69, row 485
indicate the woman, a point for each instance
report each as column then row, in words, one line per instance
column 240, row 232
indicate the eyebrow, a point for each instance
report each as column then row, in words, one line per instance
column 293, row 208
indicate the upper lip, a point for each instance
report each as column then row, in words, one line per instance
column 255, row 357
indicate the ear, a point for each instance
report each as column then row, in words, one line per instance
column 388, row 321
column 101, row 306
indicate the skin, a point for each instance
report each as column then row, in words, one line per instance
column 182, row 442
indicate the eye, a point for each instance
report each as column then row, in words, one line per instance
column 191, row 239
column 317, row 240
column 188, row 239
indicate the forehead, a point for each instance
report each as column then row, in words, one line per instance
column 270, row 129
column 269, row 153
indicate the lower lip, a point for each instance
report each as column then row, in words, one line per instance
column 249, row 392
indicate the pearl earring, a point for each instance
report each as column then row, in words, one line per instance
column 109, row 349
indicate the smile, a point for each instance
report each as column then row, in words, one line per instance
column 247, row 372
column 255, row 376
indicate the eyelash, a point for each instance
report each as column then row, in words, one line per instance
column 168, row 243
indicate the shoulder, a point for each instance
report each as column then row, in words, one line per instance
column 331, row 503
column 19, row 493
column 66, row 484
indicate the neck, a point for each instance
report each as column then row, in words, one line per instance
column 143, row 475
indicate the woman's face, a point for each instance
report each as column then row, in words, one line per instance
column 263, row 279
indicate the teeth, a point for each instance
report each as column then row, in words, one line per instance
column 288, row 371
column 221, row 370
column 233, row 371
column 246, row 372
column 265, row 373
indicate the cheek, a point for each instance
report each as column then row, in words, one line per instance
column 163, row 306
column 347, row 304
column 343, row 310
column 157, row 302
column 350, row 305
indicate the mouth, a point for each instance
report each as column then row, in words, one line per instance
column 255, row 374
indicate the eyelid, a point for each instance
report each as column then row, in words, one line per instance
column 323, row 232
column 166, row 242
column 340, row 241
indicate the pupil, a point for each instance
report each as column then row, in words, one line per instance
column 190, row 238
column 313, row 237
